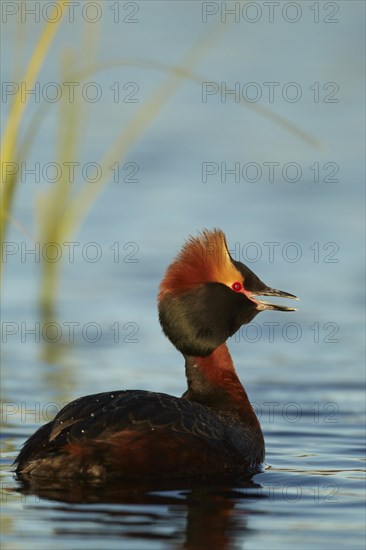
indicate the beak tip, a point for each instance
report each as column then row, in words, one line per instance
column 274, row 292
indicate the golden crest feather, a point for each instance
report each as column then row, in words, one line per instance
column 203, row 259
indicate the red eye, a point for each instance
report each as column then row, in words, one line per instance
column 237, row 286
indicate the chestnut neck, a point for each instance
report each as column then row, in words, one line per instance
column 213, row 382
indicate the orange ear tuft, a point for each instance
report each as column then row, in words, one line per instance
column 203, row 259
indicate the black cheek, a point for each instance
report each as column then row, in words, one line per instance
column 199, row 320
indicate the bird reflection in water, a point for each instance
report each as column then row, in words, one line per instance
column 190, row 516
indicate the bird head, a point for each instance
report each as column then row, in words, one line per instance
column 206, row 296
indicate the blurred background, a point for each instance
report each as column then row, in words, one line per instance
column 128, row 126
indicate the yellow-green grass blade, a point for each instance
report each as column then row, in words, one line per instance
column 14, row 119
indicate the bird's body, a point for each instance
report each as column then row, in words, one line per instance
column 149, row 435
column 212, row 429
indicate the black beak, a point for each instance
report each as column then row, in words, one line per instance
column 273, row 292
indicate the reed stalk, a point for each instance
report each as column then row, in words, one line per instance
column 9, row 141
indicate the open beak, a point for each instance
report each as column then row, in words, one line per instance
column 261, row 304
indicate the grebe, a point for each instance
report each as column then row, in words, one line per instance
column 204, row 297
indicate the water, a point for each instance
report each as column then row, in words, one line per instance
column 304, row 371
